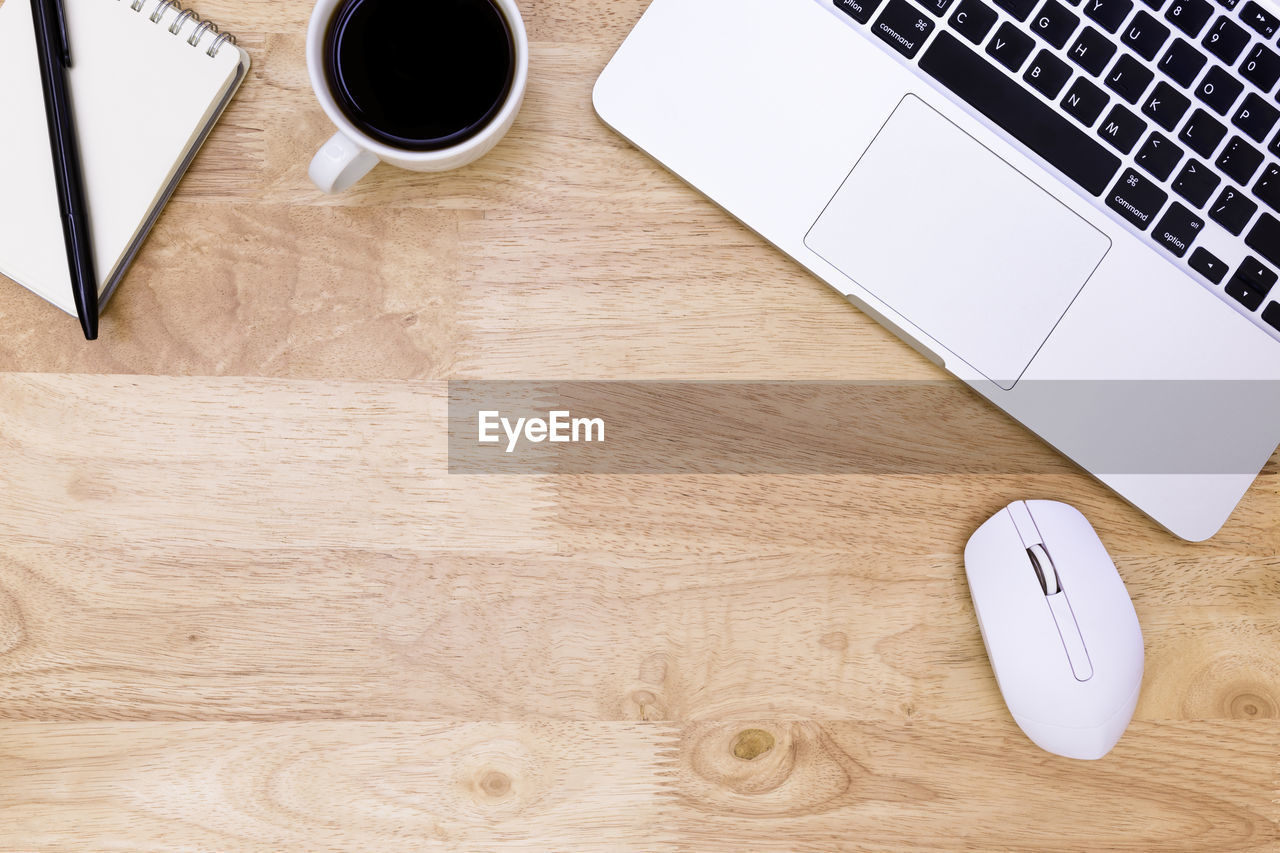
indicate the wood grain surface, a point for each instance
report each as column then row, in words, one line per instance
column 245, row 606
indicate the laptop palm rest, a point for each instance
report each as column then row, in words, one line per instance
column 959, row 242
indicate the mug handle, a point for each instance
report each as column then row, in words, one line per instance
column 340, row 163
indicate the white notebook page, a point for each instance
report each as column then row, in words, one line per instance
column 141, row 97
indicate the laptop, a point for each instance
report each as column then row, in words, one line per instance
column 1071, row 205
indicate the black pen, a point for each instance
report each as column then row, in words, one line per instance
column 55, row 58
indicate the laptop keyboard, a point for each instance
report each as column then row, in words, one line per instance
column 1167, row 111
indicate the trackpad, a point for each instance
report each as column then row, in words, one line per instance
column 958, row 241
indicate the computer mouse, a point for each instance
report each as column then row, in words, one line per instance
column 1058, row 625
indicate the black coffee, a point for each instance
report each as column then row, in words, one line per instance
column 419, row 74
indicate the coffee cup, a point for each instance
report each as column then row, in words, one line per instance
column 426, row 85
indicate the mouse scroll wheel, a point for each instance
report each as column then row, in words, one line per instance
column 1045, row 571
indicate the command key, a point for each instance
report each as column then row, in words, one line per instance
column 903, row 27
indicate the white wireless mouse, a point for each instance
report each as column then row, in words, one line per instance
column 1058, row 625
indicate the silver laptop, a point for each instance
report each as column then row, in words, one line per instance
column 1072, row 205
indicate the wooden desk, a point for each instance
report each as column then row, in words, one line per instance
column 243, row 606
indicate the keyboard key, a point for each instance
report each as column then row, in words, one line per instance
column 973, row 20
column 1208, row 266
column 1039, row 126
column 1274, row 147
column 937, row 8
column 1239, row 160
column 1255, row 117
column 1054, row 23
column 1251, row 283
column 1145, row 35
column 1226, row 39
column 1190, row 16
column 1256, row 271
column 1272, row 314
column 1166, row 105
column 1264, row 238
column 1084, row 102
column 1158, row 156
column 1177, row 230
column 860, row 10
column 1268, row 186
column 1109, row 14
column 1092, row 51
column 1219, row 90
column 1196, row 183
column 1261, row 68
column 902, row 27
column 1203, row 133
column 1260, row 19
column 1129, row 78
column 1247, row 293
column 1010, row 46
column 1182, row 63
column 1228, row 4
column 1232, row 210
column 1122, row 129
column 1154, row 4
column 1047, row 74
column 1019, row 9
column 1136, row 199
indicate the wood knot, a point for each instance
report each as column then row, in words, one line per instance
column 1236, row 685
column 772, row 768
column 642, row 704
column 497, row 776
column 751, row 762
column 782, row 768
column 495, row 783
column 750, row 744
column 1251, row 706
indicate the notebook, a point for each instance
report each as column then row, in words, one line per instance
column 148, row 82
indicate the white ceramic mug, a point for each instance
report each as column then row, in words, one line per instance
column 350, row 154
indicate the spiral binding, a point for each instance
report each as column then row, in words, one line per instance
column 181, row 19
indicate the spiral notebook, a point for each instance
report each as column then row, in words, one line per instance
column 148, row 82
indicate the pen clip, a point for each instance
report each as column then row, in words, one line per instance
column 64, row 46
